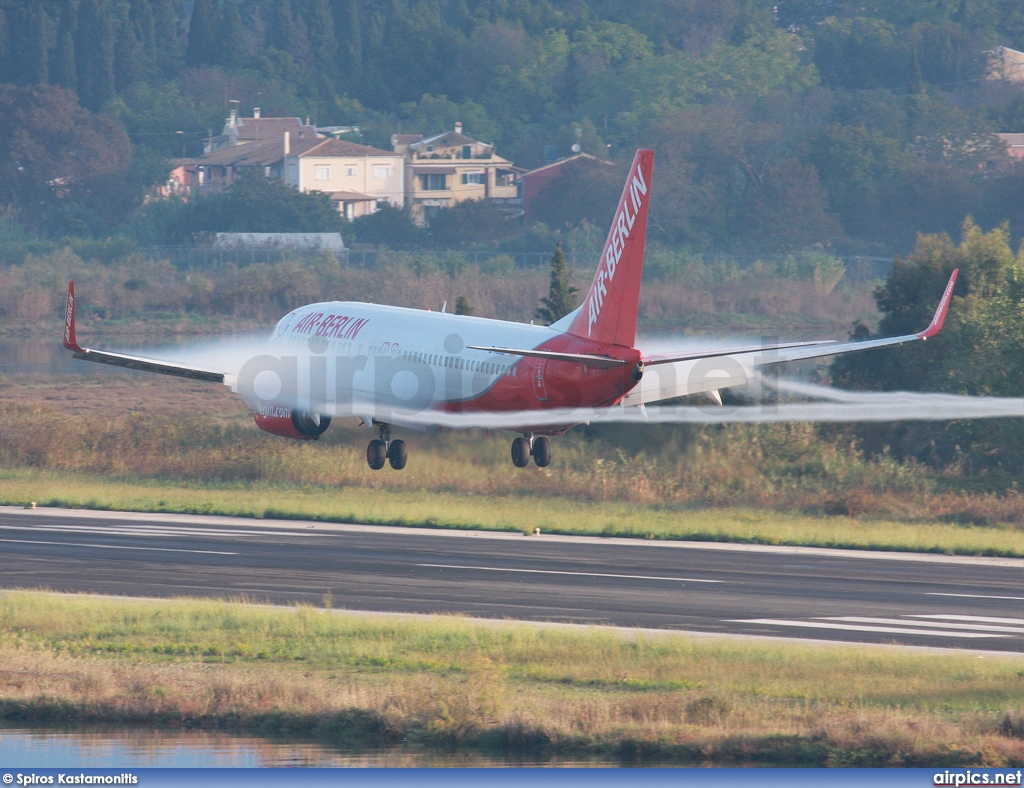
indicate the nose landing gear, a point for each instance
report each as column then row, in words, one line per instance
column 529, row 446
column 383, row 448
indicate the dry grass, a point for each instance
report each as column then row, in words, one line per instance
column 181, row 432
column 167, row 445
column 458, row 683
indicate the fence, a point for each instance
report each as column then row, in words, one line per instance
column 858, row 267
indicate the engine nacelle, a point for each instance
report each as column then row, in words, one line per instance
column 294, row 424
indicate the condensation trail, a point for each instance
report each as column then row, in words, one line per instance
column 830, row 405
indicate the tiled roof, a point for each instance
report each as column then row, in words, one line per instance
column 563, row 162
column 334, row 147
column 261, row 153
column 266, row 128
column 448, row 138
column 351, row 197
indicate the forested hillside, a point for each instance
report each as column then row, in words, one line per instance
column 777, row 125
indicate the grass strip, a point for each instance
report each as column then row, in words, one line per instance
column 457, row 684
column 504, row 513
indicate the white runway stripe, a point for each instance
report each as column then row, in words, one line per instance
column 935, row 624
column 986, row 619
column 863, row 628
column 976, row 596
column 146, row 530
column 117, row 547
column 577, row 574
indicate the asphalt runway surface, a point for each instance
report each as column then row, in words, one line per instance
column 807, row 593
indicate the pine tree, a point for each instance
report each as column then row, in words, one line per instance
column 561, row 299
column 167, row 36
column 63, row 71
column 94, row 49
column 5, row 45
column 282, row 31
column 202, row 35
column 39, row 66
column 64, row 62
column 232, row 53
column 462, row 306
column 128, row 59
column 145, row 29
column 350, row 47
column 324, row 46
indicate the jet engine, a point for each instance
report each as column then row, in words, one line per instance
column 295, row 424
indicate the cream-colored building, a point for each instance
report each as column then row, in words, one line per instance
column 1005, row 64
column 446, row 169
column 357, row 177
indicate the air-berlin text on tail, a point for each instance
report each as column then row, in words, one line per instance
column 336, row 326
column 69, row 316
column 636, row 193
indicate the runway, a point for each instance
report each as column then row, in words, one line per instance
column 847, row 596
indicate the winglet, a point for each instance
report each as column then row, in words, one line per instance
column 70, row 342
column 940, row 312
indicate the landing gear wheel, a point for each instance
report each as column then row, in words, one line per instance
column 520, row 452
column 376, row 454
column 541, row 452
column 397, row 455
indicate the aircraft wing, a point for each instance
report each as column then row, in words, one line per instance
column 678, row 374
column 126, row 361
column 551, row 355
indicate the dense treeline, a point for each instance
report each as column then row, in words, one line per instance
column 777, row 125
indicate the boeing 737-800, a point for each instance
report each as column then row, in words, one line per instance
column 409, row 367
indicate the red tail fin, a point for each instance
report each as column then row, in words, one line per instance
column 610, row 310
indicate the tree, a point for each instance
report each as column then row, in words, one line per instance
column 254, row 204
column 979, row 351
column 232, row 54
column 94, row 48
column 54, row 152
column 561, row 298
column 350, row 47
column 462, row 306
column 203, row 29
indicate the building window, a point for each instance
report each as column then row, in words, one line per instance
column 434, row 183
column 323, row 172
column 381, row 171
column 293, row 172
column 467, row 151
column 350, row 170
column 474, row 177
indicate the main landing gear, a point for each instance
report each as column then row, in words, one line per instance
column 529, row 446
column 384, row 449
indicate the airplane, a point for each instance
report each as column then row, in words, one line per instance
column 394, row 366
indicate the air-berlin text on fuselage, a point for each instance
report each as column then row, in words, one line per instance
column 335, row 326
column 637, row 190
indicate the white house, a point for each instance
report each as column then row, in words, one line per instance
column 357, row 177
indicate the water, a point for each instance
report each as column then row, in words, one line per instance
column 106, row 747
column 49, row 357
